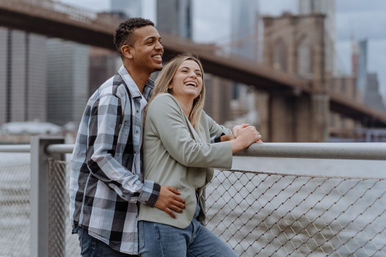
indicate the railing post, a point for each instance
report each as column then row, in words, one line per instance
column 40, row 198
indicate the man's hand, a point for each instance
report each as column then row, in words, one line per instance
column 169, row 201
column 226, row 138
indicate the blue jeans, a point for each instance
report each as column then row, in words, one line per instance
column 160, row 240
column 92, row 247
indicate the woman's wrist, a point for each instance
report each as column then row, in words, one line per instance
column 236, row 145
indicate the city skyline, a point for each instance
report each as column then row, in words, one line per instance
column 288, row 39
column 355, row 19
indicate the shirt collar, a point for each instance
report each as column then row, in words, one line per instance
column 133, row 88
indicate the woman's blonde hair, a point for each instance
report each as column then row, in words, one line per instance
column 165, row 77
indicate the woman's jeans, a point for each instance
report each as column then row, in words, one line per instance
column 160, row 240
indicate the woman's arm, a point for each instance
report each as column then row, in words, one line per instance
column 224, row 134
column 214, row 128
column 169, row 123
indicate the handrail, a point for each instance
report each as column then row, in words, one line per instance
column 60, row 148
column 15, row 148
column 361, row 151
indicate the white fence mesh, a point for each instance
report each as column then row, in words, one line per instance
column 257, row 214
column 14, row 205
column 264, row 214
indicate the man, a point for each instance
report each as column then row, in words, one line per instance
column 106, row 174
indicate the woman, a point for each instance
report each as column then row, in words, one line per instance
column 178, row 153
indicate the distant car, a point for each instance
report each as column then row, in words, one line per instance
column 30, row 128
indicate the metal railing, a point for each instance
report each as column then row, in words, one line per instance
column 292, row 199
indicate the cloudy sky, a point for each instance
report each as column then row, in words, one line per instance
column 354, row 18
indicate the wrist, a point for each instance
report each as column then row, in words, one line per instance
column 236, row 145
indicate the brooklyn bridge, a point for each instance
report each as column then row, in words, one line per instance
column 293, row 108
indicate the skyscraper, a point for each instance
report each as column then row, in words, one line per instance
column 67, row 80
column 244, row 43
column 175, row 17
column 362, row 66
column 354, row 58
column 103, row 64
column 130, row 8
column 22, row 76
column 4, row 85
column 326, row 7
column 244, row 31
column 372, row 96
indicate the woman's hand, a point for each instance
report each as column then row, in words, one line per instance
column 236, row 129
column 246, row 135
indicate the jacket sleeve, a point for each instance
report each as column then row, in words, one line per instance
column 170, row 125
column 104, row 126
column 216, row 130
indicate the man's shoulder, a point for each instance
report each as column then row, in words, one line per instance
column 113, row 86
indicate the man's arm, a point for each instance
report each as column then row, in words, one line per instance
column 104, row 126
column 169, row 201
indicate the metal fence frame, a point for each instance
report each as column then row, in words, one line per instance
column 44, row 148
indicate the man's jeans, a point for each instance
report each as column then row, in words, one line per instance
column 159, row 240
column 91, row 247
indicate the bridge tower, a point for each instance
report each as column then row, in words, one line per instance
column 295, row 44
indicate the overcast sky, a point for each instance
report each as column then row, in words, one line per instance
column 354, row 18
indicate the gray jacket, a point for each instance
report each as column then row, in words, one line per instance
column 175, row 154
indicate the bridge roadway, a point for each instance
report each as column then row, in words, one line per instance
column 62, row 21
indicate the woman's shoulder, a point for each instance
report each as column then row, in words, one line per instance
column 162, row 101
column 163, row 97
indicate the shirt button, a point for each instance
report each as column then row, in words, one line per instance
column 136, row 131
column 137, row 111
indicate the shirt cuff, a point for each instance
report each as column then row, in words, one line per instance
column 149, row 193
column 217, row 138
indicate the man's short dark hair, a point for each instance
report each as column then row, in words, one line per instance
column 125, row 30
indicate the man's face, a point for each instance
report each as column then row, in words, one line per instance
column 147, row 49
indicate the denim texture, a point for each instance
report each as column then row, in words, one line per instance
column 160, row 240
column 92, row 247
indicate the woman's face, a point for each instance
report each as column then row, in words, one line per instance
column 187, row 81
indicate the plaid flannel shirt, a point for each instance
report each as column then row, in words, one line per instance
column 106, row 184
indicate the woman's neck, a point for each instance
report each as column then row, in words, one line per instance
column 186, row 104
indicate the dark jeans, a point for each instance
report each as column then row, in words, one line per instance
column 92, row 247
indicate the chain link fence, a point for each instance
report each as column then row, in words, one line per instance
column 15, row 177
column 257, row 214
column 15, row 211
column 265, row 214
column 60, row 178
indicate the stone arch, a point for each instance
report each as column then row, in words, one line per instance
column 280, row 55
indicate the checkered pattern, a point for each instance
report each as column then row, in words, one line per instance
column 106, row 176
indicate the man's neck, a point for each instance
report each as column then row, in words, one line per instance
column 139, row 76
